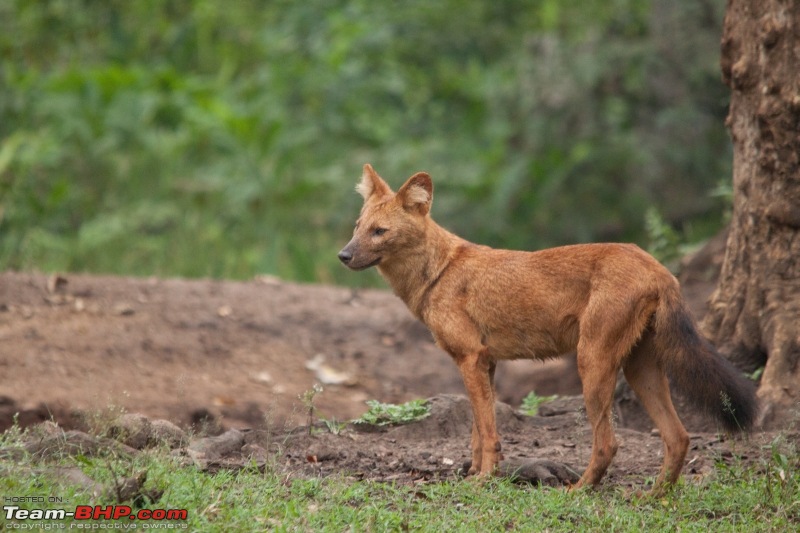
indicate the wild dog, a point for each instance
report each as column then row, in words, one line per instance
column 613, row 303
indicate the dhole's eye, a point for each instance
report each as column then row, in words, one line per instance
column 377, row 232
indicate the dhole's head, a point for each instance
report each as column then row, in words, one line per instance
column 391, row 224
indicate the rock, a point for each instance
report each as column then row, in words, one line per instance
column 165, row 432
column 139, row 432
column 72, row 475
column 541, row 472
column 205, row 421
column 133, row 429
column 70, row 443
column 323, row 452
column 561, row 406
column 263, row 377
column 124, row 309
column 255, row 455
column 125, row 489
column 538, row 472
column 211, row 451
column 56, row 283
column 120, row 491
column 73, row 443
column 326, row 374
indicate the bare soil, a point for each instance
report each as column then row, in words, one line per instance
column 226, row 355
column 241, row 353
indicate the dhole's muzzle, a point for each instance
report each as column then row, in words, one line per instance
column 355, row 261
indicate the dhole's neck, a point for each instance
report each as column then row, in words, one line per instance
column 421, row 265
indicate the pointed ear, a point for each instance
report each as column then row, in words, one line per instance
column 371, row 184
column 417, row 193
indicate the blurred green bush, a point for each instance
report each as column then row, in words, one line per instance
column 223, row 139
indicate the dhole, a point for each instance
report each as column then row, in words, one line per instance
column 614, row 303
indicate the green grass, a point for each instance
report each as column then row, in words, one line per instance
column 764, row 497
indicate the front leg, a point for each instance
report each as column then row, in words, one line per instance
column 476, row 445
column 477, row 371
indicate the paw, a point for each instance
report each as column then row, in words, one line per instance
column 469, row 468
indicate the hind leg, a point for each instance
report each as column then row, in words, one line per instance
column 612, row 323
column 650, row 383
column 599, row 375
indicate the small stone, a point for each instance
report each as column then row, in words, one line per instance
column 123, row 309
column 56, row 283
column 262, row 377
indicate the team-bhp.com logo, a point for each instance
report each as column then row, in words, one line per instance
column 88, row 516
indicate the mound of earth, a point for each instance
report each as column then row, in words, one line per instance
column 235, row 353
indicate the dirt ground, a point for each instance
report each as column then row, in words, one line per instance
column 240, row 352
column 240, row 355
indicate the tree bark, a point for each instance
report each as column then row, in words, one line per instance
column 754, row 314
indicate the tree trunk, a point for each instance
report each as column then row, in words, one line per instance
column 754, row 314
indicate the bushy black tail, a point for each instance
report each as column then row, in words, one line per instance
column 699, row 372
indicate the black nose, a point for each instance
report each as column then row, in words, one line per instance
column 345, row 256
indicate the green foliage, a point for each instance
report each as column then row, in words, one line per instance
column 531, row 402
column 724, row 191
column 224, row 138
column 386, row 414
column 664, row 243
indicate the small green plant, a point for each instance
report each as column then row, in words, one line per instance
column 12, row 435
column 781, row 472
column 307, row 398
column 728, row 407
column 664, row 243
column 334, row 426
column 724, row 192
column 385, row 414
column 531, row 402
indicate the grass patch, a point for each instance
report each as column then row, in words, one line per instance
column 764, row 496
